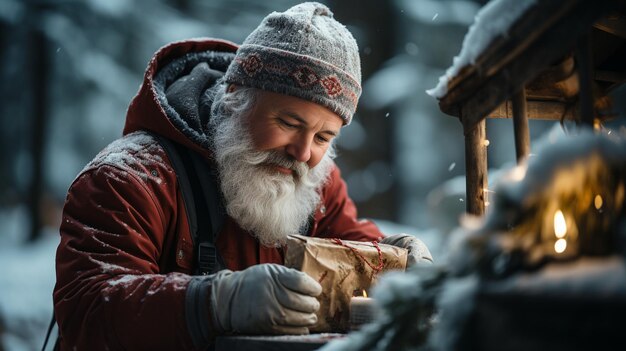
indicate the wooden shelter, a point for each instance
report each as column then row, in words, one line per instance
column 557, row 61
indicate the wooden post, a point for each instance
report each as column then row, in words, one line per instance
column 520, row 125
column 584, row 64
column 475, row 166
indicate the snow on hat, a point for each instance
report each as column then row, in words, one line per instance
column 302, row 52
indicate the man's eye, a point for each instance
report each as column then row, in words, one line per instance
column 321, row 139
column 286, row 124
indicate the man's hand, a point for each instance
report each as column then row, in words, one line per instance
column 418, row 251
column 264, row 299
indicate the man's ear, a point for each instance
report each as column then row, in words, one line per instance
column 231, row 88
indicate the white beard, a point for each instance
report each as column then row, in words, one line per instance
column 268, row 204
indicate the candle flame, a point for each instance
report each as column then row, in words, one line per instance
column 597, row 201
column 359, row 293
column 560, row 227
column 560, row 245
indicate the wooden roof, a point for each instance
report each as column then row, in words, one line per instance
column 538, row 53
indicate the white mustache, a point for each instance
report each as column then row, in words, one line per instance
column 301, row 169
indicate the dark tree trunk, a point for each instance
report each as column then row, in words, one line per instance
column 376, row 22
column 39, row 79
column 182, row 5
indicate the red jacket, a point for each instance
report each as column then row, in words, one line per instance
column 126, row 252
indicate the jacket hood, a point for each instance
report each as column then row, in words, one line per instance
column 149, row 109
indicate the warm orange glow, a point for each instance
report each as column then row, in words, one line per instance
column 597, row 201
column 560, row 245
column 486, row 142
column 364, row 293
column 560, row 227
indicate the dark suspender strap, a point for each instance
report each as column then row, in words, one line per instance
column 50, row 327
column 207, row 201
column 202, row 204
column 183, row 182
column 208, row 182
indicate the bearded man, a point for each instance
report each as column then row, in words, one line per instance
column 263, row 116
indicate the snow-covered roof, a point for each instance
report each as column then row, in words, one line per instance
column 493, row 20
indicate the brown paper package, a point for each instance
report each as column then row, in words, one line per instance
column 342, row 268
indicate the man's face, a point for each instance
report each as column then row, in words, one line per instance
column 300, row 129
column 272, row 160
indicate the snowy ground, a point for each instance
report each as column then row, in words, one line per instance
column 27, row 277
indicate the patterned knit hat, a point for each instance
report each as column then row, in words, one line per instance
column 302, row 52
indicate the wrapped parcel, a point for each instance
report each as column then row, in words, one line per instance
column 343, row 268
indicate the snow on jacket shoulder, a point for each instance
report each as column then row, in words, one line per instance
column 120, row 284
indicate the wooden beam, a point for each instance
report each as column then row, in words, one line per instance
column 614, row 24
column 520, row 126
column 609, row 76
column 547, row 110
column 553, row 74
column 476, row 167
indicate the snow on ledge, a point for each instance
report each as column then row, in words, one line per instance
column 492, row 20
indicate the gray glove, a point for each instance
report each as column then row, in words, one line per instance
column 264, row 299
column 418, row 251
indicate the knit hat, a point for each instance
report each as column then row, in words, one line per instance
column 302, row 52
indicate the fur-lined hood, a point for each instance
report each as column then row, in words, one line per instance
column 149, row 110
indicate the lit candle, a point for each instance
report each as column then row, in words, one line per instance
column 560, row 226
column 362, row 311
column 560, row 230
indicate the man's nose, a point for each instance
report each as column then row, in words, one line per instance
column 300, row 148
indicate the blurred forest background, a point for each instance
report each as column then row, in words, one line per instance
column 69, row 69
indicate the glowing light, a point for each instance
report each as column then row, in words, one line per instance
column 486, row 142
column 560, row 245
column 518, row 173
column 597, row 125
column 560, row 227
column 364, row 293
column 597, row 201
